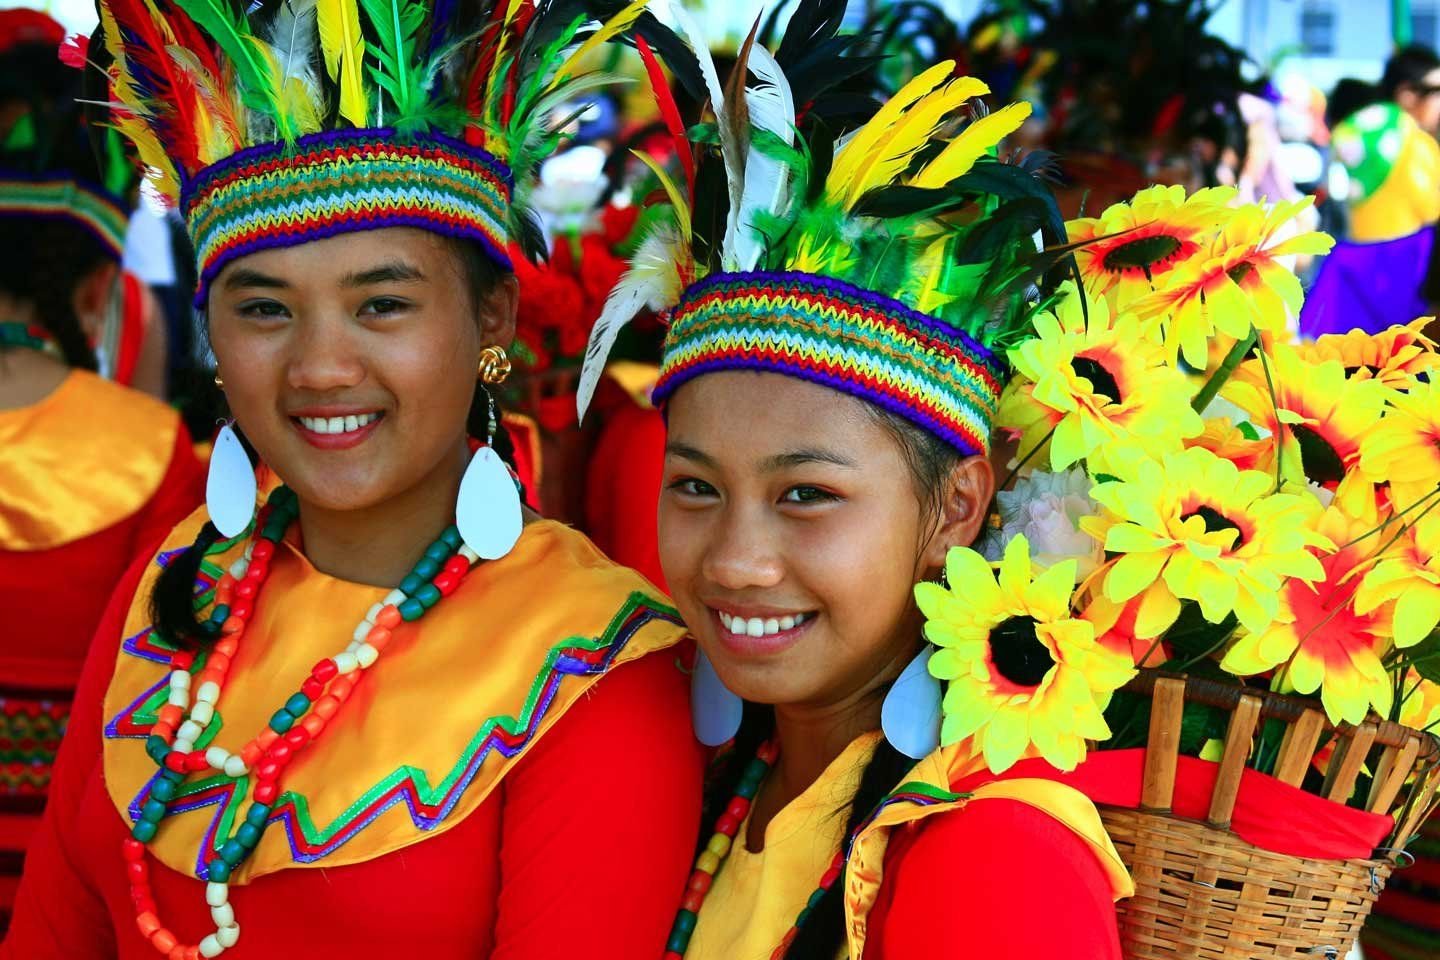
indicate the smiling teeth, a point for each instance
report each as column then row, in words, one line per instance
column 760, row 627
column 338, row 424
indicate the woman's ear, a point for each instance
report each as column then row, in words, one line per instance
column 92, row 295
column 496, row 312
column 964, row 507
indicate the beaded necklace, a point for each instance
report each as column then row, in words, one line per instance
column 183, row 721
column 708, row 864
column 31, row 336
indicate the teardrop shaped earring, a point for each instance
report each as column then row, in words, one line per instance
column 715, row 710
column 910, row 715
column 488, row 511
column 230, row 485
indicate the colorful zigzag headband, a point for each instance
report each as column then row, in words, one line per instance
column 840, row 336
column 60, row 197
column 343, row 181
column 296, row 121
column 895, row 264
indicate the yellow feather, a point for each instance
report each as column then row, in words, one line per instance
column 621, row 21
column 122, row 85
column 343, row 48
column 160, row 169
column 930, row 299
column 912, row 131
column 864, row 140
column 677, row 200
column 977, row 139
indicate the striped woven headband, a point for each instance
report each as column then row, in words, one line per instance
column 59, row 198
column 841, row 336
column 279, row 195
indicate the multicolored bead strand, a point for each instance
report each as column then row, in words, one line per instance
column 31, row 336
column 708, row 864
column 182, row 725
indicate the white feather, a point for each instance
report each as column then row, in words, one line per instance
column 730, row 152
column 652, row 281
column 767, row 180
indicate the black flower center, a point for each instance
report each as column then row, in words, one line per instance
column 1321, row 463
column 1018, row 653
column 1240, row 271
column 1215, row 520
column 1351, row 371
column 1100, row 379
column 1142, row 254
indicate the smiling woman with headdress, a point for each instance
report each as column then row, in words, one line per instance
column 839, row 305
column 393, row 711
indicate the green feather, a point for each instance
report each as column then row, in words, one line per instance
column 231, row 32
column 397, row 24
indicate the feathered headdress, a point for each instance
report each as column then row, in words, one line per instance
column 289, row 120
column 895, row 263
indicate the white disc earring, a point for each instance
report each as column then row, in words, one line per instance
column 488, row 511
column 715, row 711
column 910, row 715
column 230, row 485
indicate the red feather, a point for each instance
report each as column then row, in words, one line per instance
column 670, row 112
column 475, row 85
column 175, row 92
column 518, row 27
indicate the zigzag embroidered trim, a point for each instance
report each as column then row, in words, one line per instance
column 844, row 337
column 428, row 804
column 280, row 195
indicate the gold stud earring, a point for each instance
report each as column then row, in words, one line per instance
column 494, row 365
column 218, row 381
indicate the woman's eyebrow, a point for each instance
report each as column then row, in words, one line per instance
column 394, row 272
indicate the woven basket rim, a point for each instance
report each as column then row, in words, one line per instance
column 1279, row 706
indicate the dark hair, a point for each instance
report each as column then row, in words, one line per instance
column 930, row 461
column 1407, row 67
column 46, row 258
column 1349, row 97
column 45, row 268
column 172, row 609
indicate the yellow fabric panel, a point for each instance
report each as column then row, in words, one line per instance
column 83, row 459
column 756, row 896
column 474, row 656
column 1408, row 200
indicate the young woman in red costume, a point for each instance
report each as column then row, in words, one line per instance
column 91, row 471
column 391, row 712
column 831, row 371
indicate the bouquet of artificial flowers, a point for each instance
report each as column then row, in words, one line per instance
column 1198, row 499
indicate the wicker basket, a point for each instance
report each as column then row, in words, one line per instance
column 1202, row 892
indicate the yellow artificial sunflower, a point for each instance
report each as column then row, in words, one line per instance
column 1319, row 414
column 1319, row 638
column 1115, row 630
column 1407, row 575
column 1420, row 703
column 1024, row 676
column 1396, row 357
column 1196, row 527
column 1131, row 248
column 1100, row 385
column 1237, row 282
column 1404, row 448
column 1237, row 443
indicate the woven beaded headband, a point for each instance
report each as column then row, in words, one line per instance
column 274, row 196
column 63, row 198
column 841, row 336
